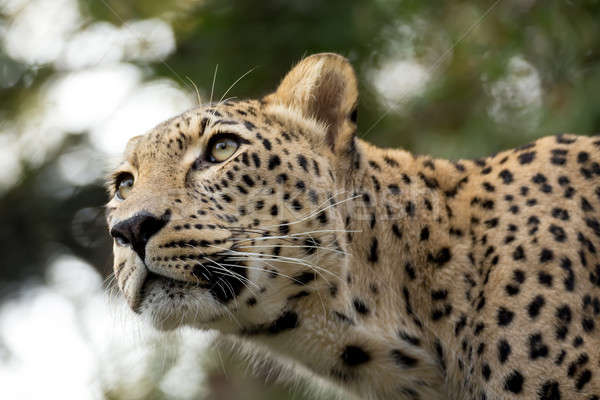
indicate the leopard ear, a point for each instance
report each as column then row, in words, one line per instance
column 323, row 86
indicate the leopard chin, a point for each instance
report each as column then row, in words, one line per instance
column 168, row 304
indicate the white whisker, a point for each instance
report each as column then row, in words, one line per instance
column 296, row 246
column 212, row 88
column 235, row 83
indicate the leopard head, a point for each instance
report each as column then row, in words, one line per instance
column 227, row 214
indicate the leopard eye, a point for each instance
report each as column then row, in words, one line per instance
column 222, row 147
column 124, row 184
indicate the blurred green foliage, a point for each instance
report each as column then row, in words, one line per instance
column 467, row 48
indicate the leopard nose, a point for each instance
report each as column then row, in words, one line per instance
column 137, row 231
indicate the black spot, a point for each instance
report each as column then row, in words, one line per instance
column 298, row 295
column 486, row 371
column 274, row 161
column 514, row 382
column 274, row 210
column 585, row 205
column 302, row 162
column 546, row 255
column 558, row 157
column 526, row 158
column 533, row 309
column 354, row 355
column 488, row 204
column 374, row 165
column 281, row 178
column 390, row 161
column 504, row 350
column 415, row 341
column 512, row 290
column 539, row 178
column 506, row 175
column 304, row 278
column 504, row 316
column 558, row 233
column 519, row 253
column 437, row 295
column 245, row 159
column 256, row 160
column 410, row 209
column 560, row 358
column 396, row 230
column 437, row 314
column 460, row 325
column 333, row 290
column 440, row 354
column 488, row 187
column 247, row 180
column 424, row 234
column 360, row 306
column 583, row 157
column 267, row 144
column 545, row 279
column 569, row 281
column 583, row 379
column 403, row 360
column 251, row 301
column 560, row 213
column 441, row 257
column 410, row 271
column 562, row 139
column 311, row 245
column 288, row 320
column 537, row 348
column 519, row 276
column 594, row 225
column 394, row 189
column 284, row 228
column 481, row 303
column 343, row 317
column 563, row 313
column 588, row 324
column 373, row 252
column 549, row 391
column 296, row 205
column 491, row 223
column 322, row 217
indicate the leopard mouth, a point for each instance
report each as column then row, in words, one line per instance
column 223, row 283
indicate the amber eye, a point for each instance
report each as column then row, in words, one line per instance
column 222, row 147
column 124, row 184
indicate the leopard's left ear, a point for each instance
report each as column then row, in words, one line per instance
column 323, row 86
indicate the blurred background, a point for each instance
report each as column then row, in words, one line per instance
column 455, row 79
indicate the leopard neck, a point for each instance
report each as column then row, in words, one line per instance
column 410, row 248
column 391, row 315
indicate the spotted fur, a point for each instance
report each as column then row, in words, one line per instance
column 391, row 275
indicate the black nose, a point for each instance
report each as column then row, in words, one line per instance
column 137, row 230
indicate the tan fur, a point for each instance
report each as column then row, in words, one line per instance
column 389, row 275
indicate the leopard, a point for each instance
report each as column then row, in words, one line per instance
column 386, row 274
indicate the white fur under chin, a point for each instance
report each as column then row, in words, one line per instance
column 196, row 309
